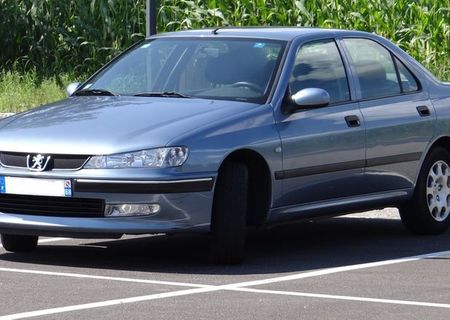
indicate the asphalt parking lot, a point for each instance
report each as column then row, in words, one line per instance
column 362, row 266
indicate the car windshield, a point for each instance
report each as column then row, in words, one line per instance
column 228, row 69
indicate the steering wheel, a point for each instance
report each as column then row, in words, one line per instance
column 249, row 85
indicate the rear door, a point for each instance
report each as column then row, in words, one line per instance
column 398, row 115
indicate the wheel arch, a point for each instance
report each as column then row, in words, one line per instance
column 441, row 141
column 259, row 184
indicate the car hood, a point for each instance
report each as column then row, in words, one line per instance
column 106, row 125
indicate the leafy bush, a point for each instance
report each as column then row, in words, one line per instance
column 19, row 92
column 75, row 36
column 420, row 27
column 78, row 36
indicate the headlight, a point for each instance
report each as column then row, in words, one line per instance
column 152, row 158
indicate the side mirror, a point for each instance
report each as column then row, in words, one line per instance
column 309, row 98
column 71, row 88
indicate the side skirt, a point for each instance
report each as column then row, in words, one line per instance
column 339, row 206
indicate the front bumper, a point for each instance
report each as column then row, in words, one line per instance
column 185, row 203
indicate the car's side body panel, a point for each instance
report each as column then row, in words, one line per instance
column 397, row 137
column 396, row 141
column 323, row 158
column 253, row 129
column 440, row 97
column 321, row 153
column 397, row 133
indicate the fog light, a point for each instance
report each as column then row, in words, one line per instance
column 129, row 210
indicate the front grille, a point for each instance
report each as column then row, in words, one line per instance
column 52, row 206
column 57, row 161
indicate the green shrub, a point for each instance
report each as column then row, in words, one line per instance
column 420, row 27
column 19, row 92
column 78, row 36
column 75, row 36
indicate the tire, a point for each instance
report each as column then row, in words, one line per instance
column 228, row 221
column 429, row 210
column 19, row 243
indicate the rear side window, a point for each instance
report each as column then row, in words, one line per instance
column 319, row 65
column 375, row 68
column 407, row 80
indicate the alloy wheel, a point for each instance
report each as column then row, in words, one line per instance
column 438, row 191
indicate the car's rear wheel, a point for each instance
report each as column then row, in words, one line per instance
column 429, row 210
column 228, row 224
column 19, row 243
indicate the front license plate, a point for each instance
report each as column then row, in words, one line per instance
column 36, row 187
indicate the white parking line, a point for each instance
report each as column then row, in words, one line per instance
column 348, row 298
column 291, row 277
column 233, row 287
column 120, row 279
column 178, row 293
column 48, row 240
column 107, row 303
column 323, row 272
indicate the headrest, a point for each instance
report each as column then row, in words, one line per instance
column 221, row 70
column 370, row 71
column 242, row 64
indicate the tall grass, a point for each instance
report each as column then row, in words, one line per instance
column 19, row 92
column 420, row 27
column 77, row 36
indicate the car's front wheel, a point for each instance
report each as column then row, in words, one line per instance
column 228, row 224
column 19, row 243
column 429, row 210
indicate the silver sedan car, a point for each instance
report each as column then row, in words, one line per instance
column 217, row 130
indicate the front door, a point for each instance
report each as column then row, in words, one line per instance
column 323, row 148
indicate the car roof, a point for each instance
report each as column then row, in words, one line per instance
column 274, row 33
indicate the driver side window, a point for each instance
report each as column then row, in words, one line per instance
column 319, row 65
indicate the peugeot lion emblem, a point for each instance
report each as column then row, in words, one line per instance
column 37, row 162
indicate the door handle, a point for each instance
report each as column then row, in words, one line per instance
column 423, row 111
column 352, row 121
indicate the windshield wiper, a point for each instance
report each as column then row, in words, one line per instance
column 94, row 92
column 166, row 94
